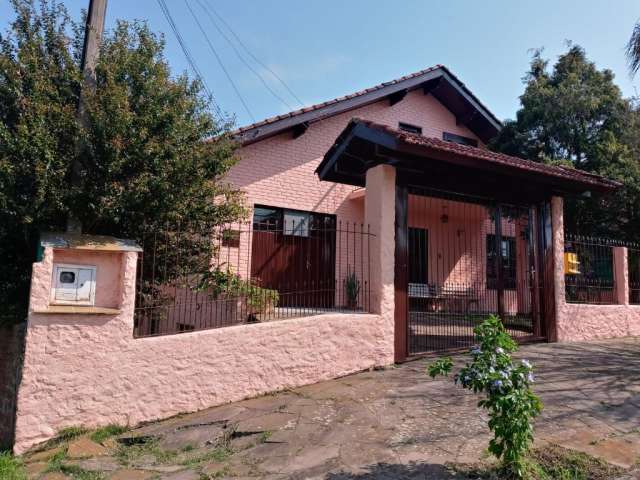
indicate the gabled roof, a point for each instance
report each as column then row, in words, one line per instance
column 437, row 81
column 345, row 162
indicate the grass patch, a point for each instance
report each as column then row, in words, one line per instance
column 127, row 455
column 79, row 473
column 101, row 434
column 11, row 468
column 63, row 436
column 551, row 463
column 57, row 464
column 218, row 454
column 560, row 463
column 70, row 433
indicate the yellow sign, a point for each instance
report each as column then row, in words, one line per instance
column 571, row 263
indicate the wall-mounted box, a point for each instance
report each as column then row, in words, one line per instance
column 73, row 284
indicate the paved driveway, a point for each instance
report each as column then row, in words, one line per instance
column 398, row 423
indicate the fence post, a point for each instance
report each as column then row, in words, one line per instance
column 621, row 274
column 557, row 222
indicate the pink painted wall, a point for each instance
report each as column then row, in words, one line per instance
column 89, row 370
column 279, row 171
column 577, row 322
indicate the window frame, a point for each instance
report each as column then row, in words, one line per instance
column 410, row 128
column 459, row 139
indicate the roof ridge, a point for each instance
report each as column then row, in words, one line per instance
column 357, row 93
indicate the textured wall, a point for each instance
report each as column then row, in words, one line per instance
column 589, row 322
column 575, row 322
column 88, row 369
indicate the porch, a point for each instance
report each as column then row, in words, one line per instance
column 473, row 232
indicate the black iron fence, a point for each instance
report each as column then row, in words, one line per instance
column 194, row 277
column 589, row 269
column 634, row 274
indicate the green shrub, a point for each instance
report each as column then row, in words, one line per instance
column 11, row 468
column 507, row 388
column 352, row 289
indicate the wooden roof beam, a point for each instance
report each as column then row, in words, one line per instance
column 397, row 97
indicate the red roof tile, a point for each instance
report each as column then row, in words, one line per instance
column 431, row 143
column 242, row 130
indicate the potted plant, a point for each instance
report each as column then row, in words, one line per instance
column 352, row 290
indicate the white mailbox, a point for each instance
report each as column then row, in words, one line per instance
column 73, row 284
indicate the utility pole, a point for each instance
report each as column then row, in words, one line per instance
column 91, row 48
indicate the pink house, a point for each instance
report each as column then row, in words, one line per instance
column 381, row 228
column 454, row 262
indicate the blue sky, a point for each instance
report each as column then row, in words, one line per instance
column 324, row 49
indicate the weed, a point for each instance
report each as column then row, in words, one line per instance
column 188, row 448
column 560, row 463
column 101, row 434
column 550, row 463
column 265, row 436
column 218, row 454
column 129, row 454
column 11, row 468
column 57, row 464
column 69, row 433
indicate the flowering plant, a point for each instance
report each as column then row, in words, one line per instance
column 507, row 387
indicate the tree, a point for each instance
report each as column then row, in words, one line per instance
column 153, row 152
column 575, row 115
column 633, row 50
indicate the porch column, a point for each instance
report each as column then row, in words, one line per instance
column 621, row 275
column 557, row 223
column 379, row 214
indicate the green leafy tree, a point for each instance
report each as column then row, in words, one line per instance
column 152, row 152
column 575, row 115
column 633, row 49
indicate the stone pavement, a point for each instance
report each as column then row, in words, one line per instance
column 392, row 423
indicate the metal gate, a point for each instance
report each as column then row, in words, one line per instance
column 468, row 258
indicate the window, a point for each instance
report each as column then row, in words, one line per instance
column 296, row 223
column 292, row 222
column 407, row 127
column 452, row 137
column 418, row 255
column 508, row 262
column 267, row 218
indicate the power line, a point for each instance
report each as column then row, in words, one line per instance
column 242, row 59
column 190, row 59
column 246, row 49
column 215, row 53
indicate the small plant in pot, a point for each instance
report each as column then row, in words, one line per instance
column 352, row 290
column 259, row 302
